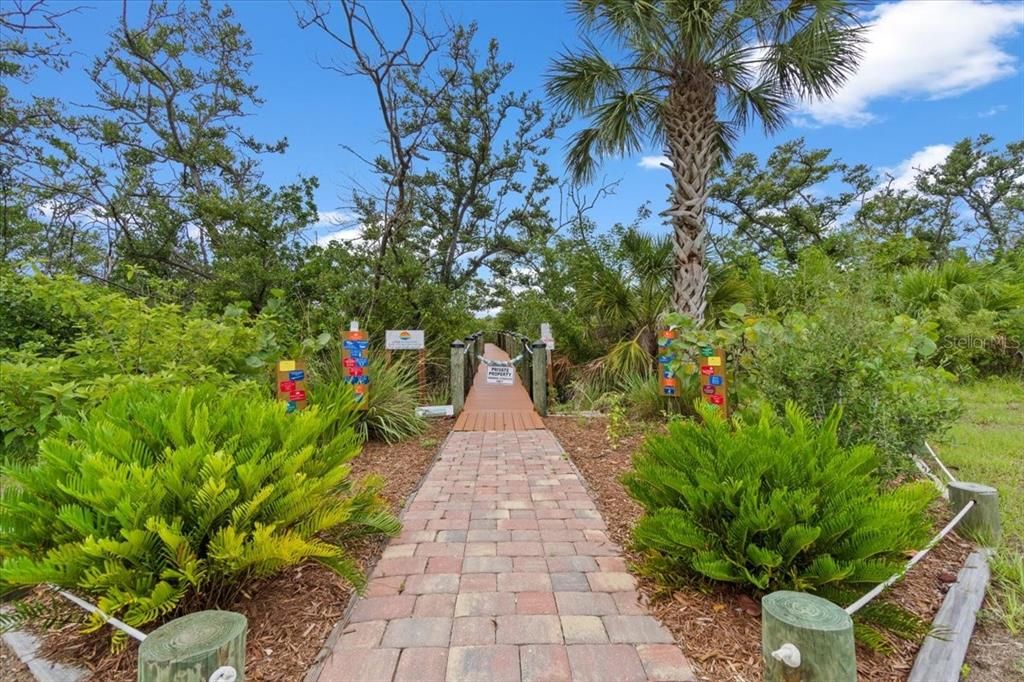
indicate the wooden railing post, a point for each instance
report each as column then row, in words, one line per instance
column 805, row 637
column 202, row 646
column 470, row 343
column 458, row 376
column 981, row 522
column 525, row 371
column 540, row 377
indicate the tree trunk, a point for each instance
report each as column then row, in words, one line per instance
column 692, row 147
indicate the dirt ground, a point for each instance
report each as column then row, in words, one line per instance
column 994, row 654
column 720, row 629
column 291, row 615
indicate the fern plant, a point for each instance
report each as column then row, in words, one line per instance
column 156, row 498
column 771, row 505
column 777, row 504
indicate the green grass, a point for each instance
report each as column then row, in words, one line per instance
column 987, row 446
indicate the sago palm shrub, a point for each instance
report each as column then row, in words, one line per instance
column 775, row 504
column 161, row 500
column 771, row 504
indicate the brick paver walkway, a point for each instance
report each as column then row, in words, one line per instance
column 503, row 572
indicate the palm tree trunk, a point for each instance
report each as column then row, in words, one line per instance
column 691, row 145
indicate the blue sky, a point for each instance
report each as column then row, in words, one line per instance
column 934, row 71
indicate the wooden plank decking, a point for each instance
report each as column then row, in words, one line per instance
column 493, row 407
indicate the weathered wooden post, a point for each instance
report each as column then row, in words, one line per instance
column 540, row 377
column 982, row 521
column 480, row 343
column 525, row 366
column 458, row 376
column 470, row 343
column 200, row 647
column 806, row 638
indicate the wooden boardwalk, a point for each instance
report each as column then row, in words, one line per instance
column 494, row 407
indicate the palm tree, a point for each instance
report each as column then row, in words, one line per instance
column 694, row 74
column 626, row 291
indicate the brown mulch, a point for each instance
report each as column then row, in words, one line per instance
column 290, row 615
column 719, row 629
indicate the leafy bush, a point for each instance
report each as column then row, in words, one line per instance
column 772, row 505
column 394, row 390
column 113, row 340
column 29, row 321
column 873, row 366
column 978, row 310
column 845, row 349
column 158, row 499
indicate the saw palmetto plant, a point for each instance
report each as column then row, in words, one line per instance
column 688, row 76
column 156, row 499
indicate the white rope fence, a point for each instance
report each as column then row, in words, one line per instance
column 501, row 363
column 860, row 603
column 939, row 462
column 110, row 620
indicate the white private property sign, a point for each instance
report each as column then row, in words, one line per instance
column 500, row 374
column 403, row 339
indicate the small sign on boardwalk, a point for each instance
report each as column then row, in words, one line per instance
column 500, row 374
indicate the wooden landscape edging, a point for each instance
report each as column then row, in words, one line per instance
column 942, row 654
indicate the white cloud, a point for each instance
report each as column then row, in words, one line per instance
column 992, row 111
column 651, row 162
column 343, row 236
column 324, row 218
column 906, row 171
column 925, row 48
column 337, row 226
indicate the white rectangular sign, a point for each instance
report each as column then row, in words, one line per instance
column 403, row 339
column 500, row 374
column 435, row 411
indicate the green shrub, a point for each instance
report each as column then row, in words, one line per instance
column 845, row 349
column 771, row 505
column 978, row 310
column 114, row 339
column 859, row 358
column 394, row 391
column 31, row 321
column 35, row 392
column 158, row 499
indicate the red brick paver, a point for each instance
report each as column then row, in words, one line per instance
column 503, row 571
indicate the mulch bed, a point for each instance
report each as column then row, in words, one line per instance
column 290, row 615
column 719, row 629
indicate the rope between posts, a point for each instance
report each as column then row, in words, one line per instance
column 939, row 461
column 863, row 601
column 501, row 363
column 110, row 620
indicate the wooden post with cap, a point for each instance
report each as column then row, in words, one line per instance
column 457, row 377
column 540, row 377
column 199, row 647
